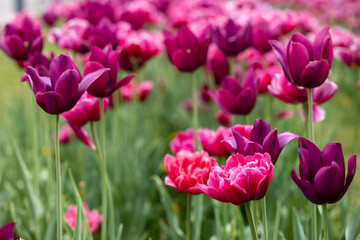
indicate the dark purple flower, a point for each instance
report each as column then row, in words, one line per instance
column 107, row 83
column 60, row 91
column 235, row 98
column 6, row 232
column 306, row 64
column 217, row 63
column 187, row 51
column 232, row 38
column 262, row 140
column 322, row 174
column 22, row 37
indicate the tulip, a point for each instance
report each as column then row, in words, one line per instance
column 234, row 98
column 93, row 217
column 223, row 118
column 322, row 174
column 306, row 64
column 262, row 140
column 22, row 37
column 140, row 90
column 60, row 91
column 107, row 83
column 187, row 170
column 6, row 231
column 217, row 63
column 86, row 110
column 102, row 34
column 244, row 178
column 232, row 38
column 187, row 51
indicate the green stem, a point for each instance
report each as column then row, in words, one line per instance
column 103, row 172
column 58, row 181
column 264, row 218
column 312, row 139
column 188, row 217
column 325, row 219
column 250, row 220
column 232, row 63
column 195, row 112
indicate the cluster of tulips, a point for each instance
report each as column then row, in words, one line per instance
column 240, row 44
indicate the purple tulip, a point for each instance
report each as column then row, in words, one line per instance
column 217, row 63
column 322, row 174
column 234, row 98
column 107, row 83
column 232, row 38
column 262, row 140
column 6, row 232
column 22, row 37
column 187, row 51
column 60, row 91
column 306, row 64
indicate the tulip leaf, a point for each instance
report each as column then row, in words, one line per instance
column 36, row 206
column 119, row 233
column 176, row 232
column 298, row 230
column 353, row 227
column 77, row 234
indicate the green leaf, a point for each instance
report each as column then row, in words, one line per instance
column 353, row 227
column 77, row 234
column 298, row 230
column 119, row 233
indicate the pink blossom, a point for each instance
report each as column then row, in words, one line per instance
column 223, row 118
column 140, row 90
column 242, row 179
column 93, row 217
column 188, row 169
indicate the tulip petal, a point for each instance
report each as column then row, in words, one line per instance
column 323, row 48
column 224, row 99
column 51, row 102
column 36, row 82
column 350, row 175
column 231, row 84
column 284, row 138
column 251, row 148
column 6, row 232
column 333, row 153
column 59, row 65
column 300, row 38
column 271, row 145
column 314, row 74
column 245, row 101
column 16, row 47
column 169, row 182
column 184, row 60
column 307, row 188
column 83, row 136
column 212, row 192
column 67, row 85
column 305, row 169
column 36, row 45
column 298, row 58
column 314, row 153
column 121, row 83
column 98, row 55
column 280, row 54
column 328, row 182
column 260, row 131
column 89, row 79
column 186, row 38
column 324, row 92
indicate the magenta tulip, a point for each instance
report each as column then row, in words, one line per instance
column 322, row 174
column 61, row 91
column 244, row 178
column 107, row 83
column 306, row 64
column 6, row 231
column 188, row 169
column 187, row 51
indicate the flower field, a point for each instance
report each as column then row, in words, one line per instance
column 181, row 119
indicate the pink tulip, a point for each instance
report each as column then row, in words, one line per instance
column 212, row 141
column 242, row 179
column 187, row 170
column 93, row 217
column 223, row 118
column 184, row 140
column 140, row 90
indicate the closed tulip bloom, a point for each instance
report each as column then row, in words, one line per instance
column 6, row 231
column 306, row 64
column 217, row 63
column 187, row 169
column 235, row 98
column 187, row 51
column 107, row 83
column 60, row 91
column 223, row 118
column 232, row 38
column 244, row 178
column 322, row 174
column 262, row 140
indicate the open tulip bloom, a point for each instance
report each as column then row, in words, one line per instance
column 322, row 174
column 304, row 63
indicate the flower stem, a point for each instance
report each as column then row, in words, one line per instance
column 58, row 181
column 250, row 220
column 188, row 217
column 263, row 201
column 103, row 172
column 311, row 136
column 326, row 231
column 195, row 112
